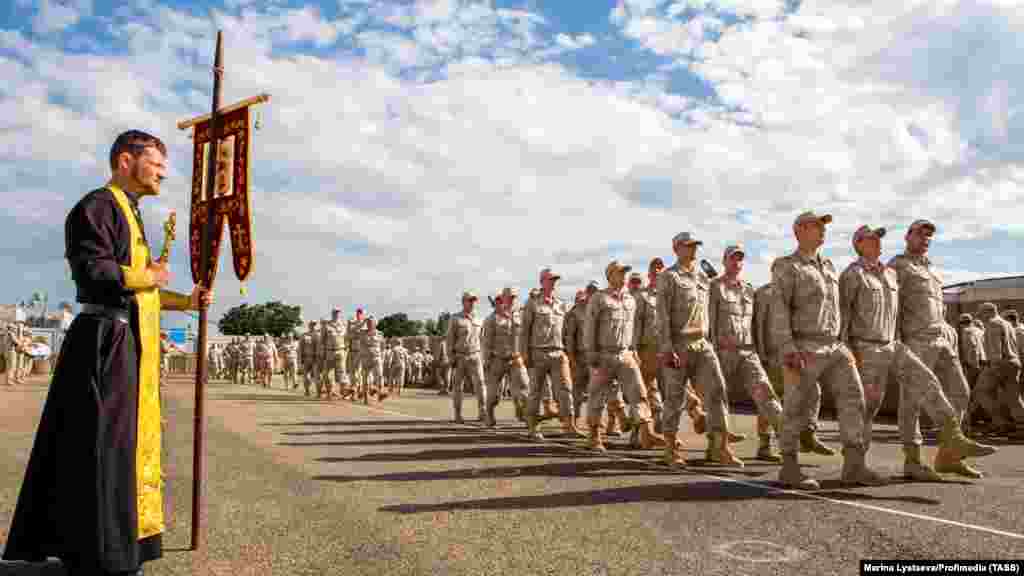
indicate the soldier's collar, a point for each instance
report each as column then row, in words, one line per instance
column 866, row 264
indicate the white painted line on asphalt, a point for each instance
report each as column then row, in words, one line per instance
column 766, row 487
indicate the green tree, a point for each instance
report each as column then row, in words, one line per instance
column 274, row 318
column 441, row 326
column 396, row 325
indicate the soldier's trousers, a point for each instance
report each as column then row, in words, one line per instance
column 373, row 373
column 12, row 366
column 745, row 366
column 812, row 399
column 353, row 377
column 291, row 371
column 398, row 377
column 442, row 376
column 650, row 371
column 553, row 364
column 332, row 372
column 580, row 381
column 700, row 365
column 310, row 373
column 939, row 354
column 250, row 369
column 832, row 364
column 623, row 367
column 998, row 393
column 515, row 371
column 470, row 368
column 918, row 386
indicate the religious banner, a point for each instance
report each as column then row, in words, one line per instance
column 231, row 199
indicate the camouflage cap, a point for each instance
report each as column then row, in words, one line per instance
column 966, row 318
column 469, row 295
column 1011, row 315
column 509, row 291
column 865, row 231
column 811, row 216
column 685, row 238
column 989, row 307
column 593, row 285
column 733, row 249
column 636, row 276
column 614, row 266
column 922, row 223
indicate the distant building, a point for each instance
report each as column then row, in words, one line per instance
column 1006, row 292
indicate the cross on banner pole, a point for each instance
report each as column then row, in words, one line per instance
column 220, row 194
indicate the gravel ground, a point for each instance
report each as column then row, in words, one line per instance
column 300, row 486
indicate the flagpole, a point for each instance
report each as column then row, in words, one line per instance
column 206, row 271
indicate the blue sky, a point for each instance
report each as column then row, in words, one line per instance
column 415, row 149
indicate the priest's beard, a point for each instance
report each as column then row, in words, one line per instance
column 142, row 188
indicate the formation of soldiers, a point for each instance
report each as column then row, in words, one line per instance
column 641, row 357
column 15, row 343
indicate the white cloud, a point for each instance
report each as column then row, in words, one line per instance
column 374, row 188
column 56, row 15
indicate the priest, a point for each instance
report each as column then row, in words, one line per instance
column 93, row 492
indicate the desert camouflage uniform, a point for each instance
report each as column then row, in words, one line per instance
column 997, row 391
column 574, row 343
column 499, row 345
column 372, row 362
column 333, row 359
column 309, row 349
column 463, row 343
column 542, row 346
column 290, row 356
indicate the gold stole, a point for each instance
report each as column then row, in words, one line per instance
column 148, row 473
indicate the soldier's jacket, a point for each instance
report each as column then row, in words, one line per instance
column 332, row 336
column 464, row 334
column 806, row 306
column 290, row 350
column 309, row 345
column 868, row 302
column 542, row 324
column 761, row 326
column 500, row 336
column 972, row 350
column 371, row 344
column 354, row 329
column 399, row 358
column 609, row 325
column 438, row 348
column 1000, row 341
column 262, row 349
column 1019, row 333
column 249, row 349
column 645, row 323
column 417, row 359
column 731, row 312
column 7, row 338
column 573, row 328
column 921, row 311
column 681, row 306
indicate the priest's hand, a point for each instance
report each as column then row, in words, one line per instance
column 161, row 275
column 200, row 298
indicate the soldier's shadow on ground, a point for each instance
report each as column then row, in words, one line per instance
column 689, row 492
column 405, row 424
column 51, row 568
column 265, row 398
column 429, row 441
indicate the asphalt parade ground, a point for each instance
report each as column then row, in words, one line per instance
column 297, row 485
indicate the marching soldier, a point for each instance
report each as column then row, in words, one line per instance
column 806, row 325
column 372, row 342
column 771, row 359
column 309, row 347
column 578, row 366
column 541, row 344
column 249, row 360
column 500, row 346
column 290, row 354
column 869, row 297
column 399, row 360
column 441, row 371
column 972, row 349
column 352, row 340
column 685, row 353
column 332, row 370
column 922, row 326
column 997, row 391
column 645, row 338
column 10, row 349
column 463, row 343
column 608, row 336
column 730, row 315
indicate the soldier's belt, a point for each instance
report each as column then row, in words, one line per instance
column 818, row 338
column 466, row 354
column 872, row 341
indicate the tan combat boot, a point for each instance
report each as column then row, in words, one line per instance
column 809, row 443
column 595, row 442
column 623, row 421
column 954, row 447
column 791, row 476
column 673, row 457
column 719, row 451
column 767, row 451
column 649, row 439
column 569, row 427
column 855, row 468
column 550, row 410
column 532, row 430
column 914, row 468
column 614, row 427
column 699, row 417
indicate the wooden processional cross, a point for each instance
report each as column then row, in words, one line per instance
column 222, row 141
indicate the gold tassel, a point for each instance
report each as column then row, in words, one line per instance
column 242, row 290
